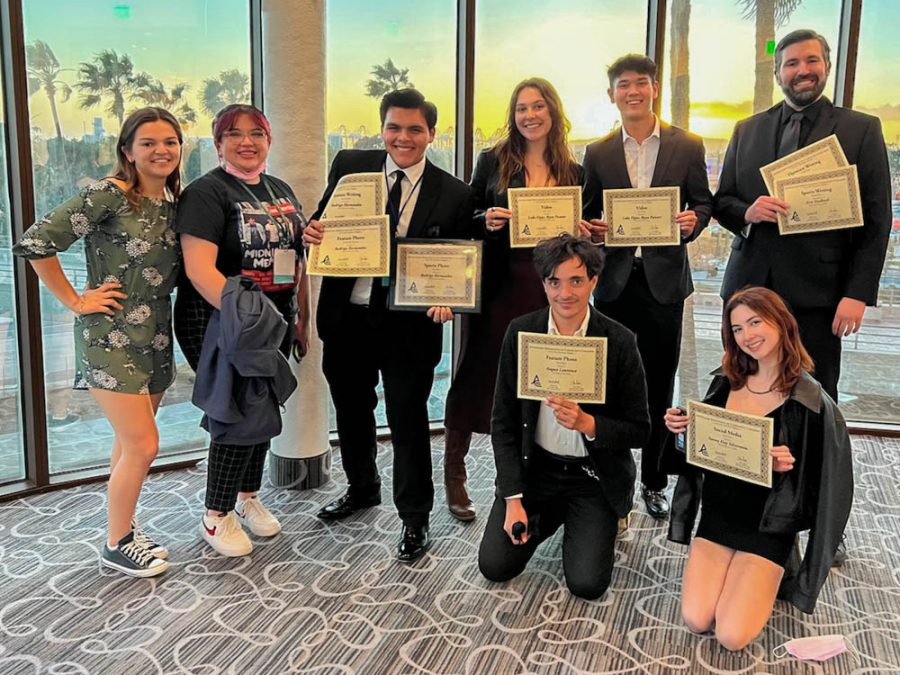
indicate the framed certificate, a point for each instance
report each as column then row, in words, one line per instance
column 817, row 157
column 557, row 365
column 731, row 443
column 542, row 213
column 352, row 247
column 820, row 201
column 642, row 217
column 437, row 272
column 357, row 195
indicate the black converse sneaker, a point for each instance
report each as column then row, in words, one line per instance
column 130, row 558
column 145, row 540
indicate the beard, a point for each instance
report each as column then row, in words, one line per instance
column 803, row 98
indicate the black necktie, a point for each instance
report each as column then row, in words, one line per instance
column 790, row 137
column 394, row 200
column 379, row 292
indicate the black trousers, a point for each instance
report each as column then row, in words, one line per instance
column 558, row 493
column 823, row 346
column 397, row 345
column 658, row 331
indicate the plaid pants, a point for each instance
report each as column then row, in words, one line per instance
column 233, row 469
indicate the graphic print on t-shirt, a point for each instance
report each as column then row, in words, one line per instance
column 261, row 232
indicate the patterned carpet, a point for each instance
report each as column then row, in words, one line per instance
column 330, row 599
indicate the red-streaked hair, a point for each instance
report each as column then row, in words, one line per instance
column 227, row 117
column 769, row 306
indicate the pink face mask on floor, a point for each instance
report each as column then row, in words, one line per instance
column 815, row 648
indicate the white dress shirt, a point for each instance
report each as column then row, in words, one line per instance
column 362, row 289
column 640, row 158
column 550, row 434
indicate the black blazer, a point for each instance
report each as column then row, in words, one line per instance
column 622, row 422
column 682, row 162
column 485, row 194
column 816, row 269
column 443, row 210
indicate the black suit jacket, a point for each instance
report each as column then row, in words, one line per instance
column 682, row 162
column 443, row 210
column 816, row 269
column 622, row 422
column 485, row 194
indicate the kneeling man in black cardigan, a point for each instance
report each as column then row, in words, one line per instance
column 560, row 463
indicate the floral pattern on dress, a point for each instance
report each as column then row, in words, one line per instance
column 130, row 351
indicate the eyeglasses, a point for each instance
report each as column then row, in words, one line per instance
column 257, row 135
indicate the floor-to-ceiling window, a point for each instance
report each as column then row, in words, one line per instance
column 12, row 456
column 560, row 42
column 374, row 48
column 870, row 389
column 719, row 69
column 89, row 65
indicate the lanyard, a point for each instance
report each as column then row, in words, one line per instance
column 408, row 196
column 284, row 232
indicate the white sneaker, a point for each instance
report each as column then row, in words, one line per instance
column 225, row 535
column 253, row 514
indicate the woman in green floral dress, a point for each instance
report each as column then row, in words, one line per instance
column 123, row 325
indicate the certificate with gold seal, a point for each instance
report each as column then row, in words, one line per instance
column 820, row 201
column 731, row 443
column 540, row 213
column 352, row 247
column 817, row 157
column 642, row 216
column 437, row 272
column 559, row 365
column 357, row 195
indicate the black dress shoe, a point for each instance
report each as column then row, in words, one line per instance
column 413, row 543
column 345, row 506
column 656, row 502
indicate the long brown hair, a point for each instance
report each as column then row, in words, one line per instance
column 793, row 357
column 125, row 170
column 510, row 151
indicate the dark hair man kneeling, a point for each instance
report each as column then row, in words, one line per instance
column 558, row 462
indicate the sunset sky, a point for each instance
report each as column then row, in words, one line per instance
column 157, row 34
column 569, row 42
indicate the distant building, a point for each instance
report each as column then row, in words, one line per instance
column 98, row 134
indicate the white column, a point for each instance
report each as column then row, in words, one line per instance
column 294, row 91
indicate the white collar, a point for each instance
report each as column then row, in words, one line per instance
column 413, row 173
column 582, row 330
column 655, row 132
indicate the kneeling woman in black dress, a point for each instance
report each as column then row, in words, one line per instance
column 746, row 533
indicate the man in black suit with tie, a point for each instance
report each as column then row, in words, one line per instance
column 560, row 463
column 644, row 287
column 829, row 277
column 362, row 338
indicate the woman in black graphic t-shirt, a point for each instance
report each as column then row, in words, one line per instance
column 238, row 220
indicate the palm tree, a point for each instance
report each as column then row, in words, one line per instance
column 768, row 15
column 107, row 75
column 43, row 73
column 232, row 86
column 387, row 78
column 679, row 59
column 153, row 92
